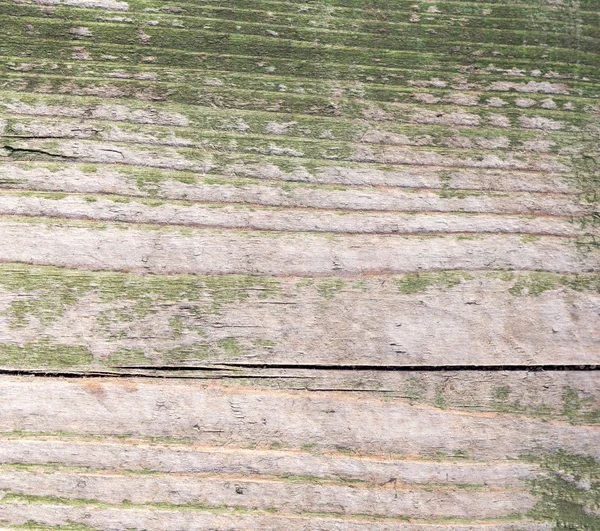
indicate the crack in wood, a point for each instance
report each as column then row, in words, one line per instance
column 12, row 150
column 216, row 373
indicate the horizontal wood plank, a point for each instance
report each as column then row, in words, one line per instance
column 327, row 266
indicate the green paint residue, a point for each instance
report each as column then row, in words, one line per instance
column 265, row 343
column 305, row 282
column 440, row 400
column 506, row 276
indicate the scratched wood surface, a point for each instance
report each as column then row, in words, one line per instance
column 320, row 265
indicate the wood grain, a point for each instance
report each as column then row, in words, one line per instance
column 327, row 265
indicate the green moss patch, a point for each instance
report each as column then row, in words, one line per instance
column 569, row 491
column 420, row 282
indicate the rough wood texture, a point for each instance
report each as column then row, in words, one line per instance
column 322, row 265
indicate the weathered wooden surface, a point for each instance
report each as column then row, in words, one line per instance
column 322, row 265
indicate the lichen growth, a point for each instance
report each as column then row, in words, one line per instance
column 34, row 526
column 415, row 390
column 420, row 282
column 578, row 409
column 48, row 292
column 501, row 401
column 45, row 354
column 124, row 357
column 231, row 347
column 568, row 490
column 328, row 288
column 536, row 283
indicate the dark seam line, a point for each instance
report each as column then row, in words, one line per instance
column 377, row 368
column 424, row 368
column 381, row 368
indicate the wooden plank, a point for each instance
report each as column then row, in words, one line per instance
column 225, row 416
column 205, row 252
column 432, row 319
column 289, row 190
column 310, row 266
column 106, row 445
column 256, row 217
column 155, row 519
column 181, row 457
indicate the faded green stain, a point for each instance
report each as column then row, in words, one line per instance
column 530, row 239
column 46, row 195
column 447, row 193
column 443, row 456
column 122, row 306
column 574, row 407
column 414, row 284
column 361, row 285
column 265, row 343
column 581, row 282
column 309, row 448
column 506, row 276
column 147, row 180
column 305, row 282
column 315, row 480
column 236, row 289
